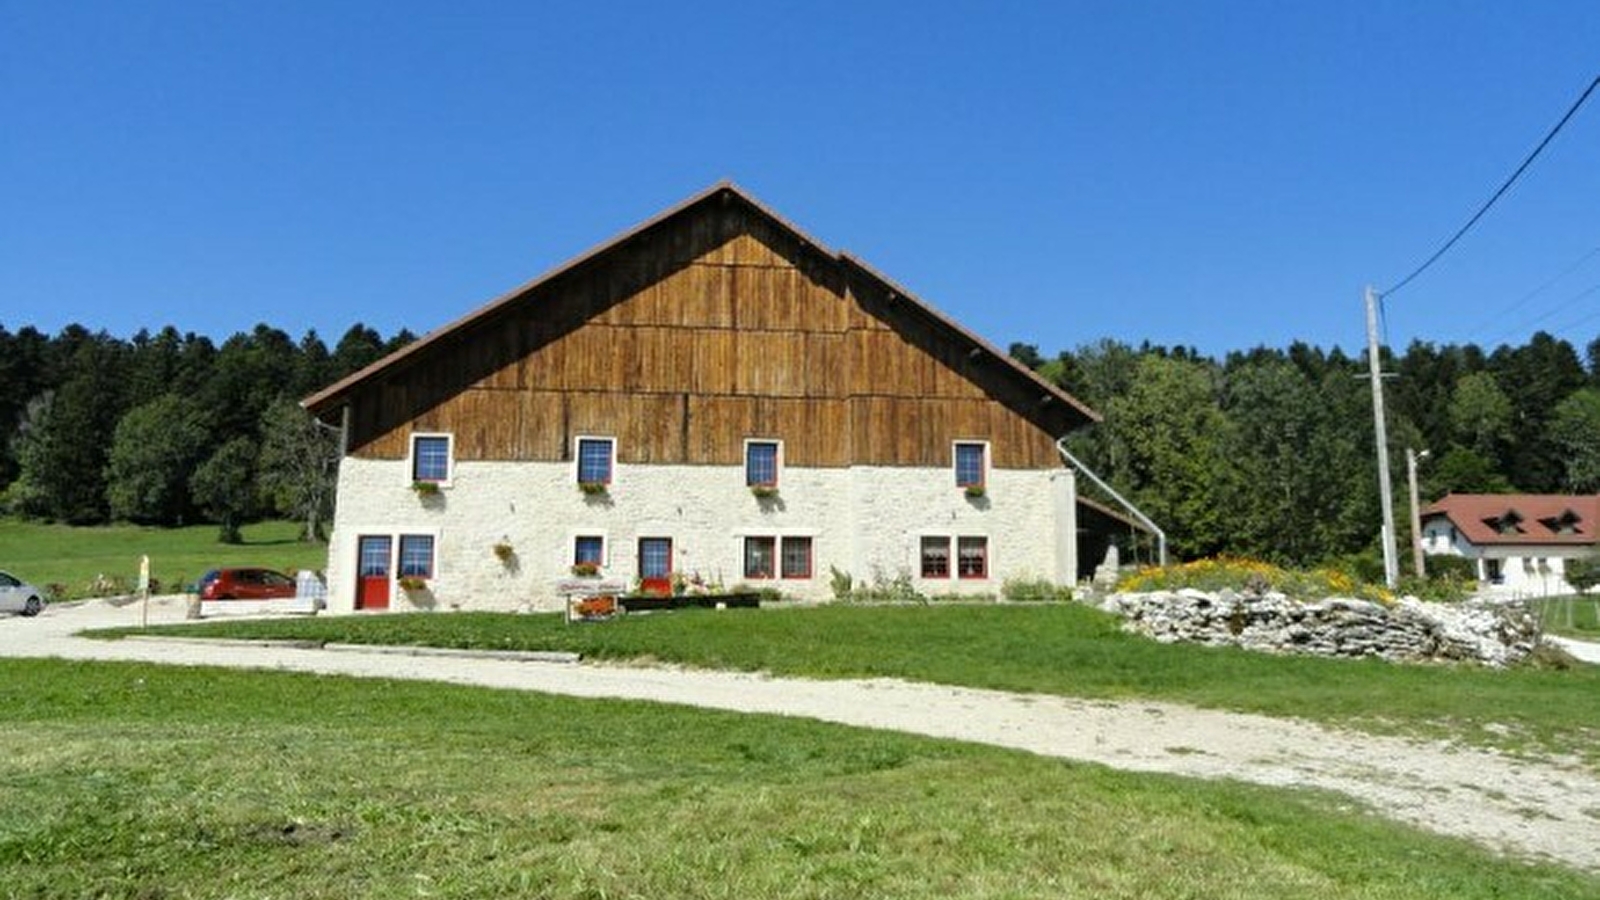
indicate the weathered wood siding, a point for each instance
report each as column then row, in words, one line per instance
column 695, row 335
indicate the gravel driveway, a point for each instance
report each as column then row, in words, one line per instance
column 1527, row 809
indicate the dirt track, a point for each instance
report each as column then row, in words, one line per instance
column 1538, row 810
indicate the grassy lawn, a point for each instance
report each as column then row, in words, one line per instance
column 1058, row 649
column 74, row 557
column 1573, row 616
column 127, row 780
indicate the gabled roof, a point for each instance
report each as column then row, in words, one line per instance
column 1521, row 519
column 330, row 398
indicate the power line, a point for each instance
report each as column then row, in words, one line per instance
column 1480, row 327
column 1503, row 188
column 1588, row 292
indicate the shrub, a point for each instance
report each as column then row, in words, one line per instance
column 1457, row 567
column 1034, row 589
column 841, row 583
column 1255, row 576
column 884, row 589
column 1583, row 573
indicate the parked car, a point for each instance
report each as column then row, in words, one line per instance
column 18, row 596
column 245, row 584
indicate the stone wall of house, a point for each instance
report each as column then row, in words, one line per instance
column 863, row 520
column 1494, row 634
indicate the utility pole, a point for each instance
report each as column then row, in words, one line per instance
column 1412, row 457
column 1391, row 566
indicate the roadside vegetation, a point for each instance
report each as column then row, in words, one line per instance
column 130, row 780
column 1065, row 649
column 1571, row 616
column 72, row 563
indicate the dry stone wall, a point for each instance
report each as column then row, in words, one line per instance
column 1494, row 634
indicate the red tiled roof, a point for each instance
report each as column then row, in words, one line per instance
column 1489, row 519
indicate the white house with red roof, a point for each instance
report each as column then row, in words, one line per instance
column 1521, row 542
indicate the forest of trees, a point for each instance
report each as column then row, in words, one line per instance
column 1269, row 453
column 169, row 428
column 1265, row 453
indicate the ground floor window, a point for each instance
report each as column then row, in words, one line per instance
column 655, row 557
column 797, row 557
column 589, row 550
column 767, row 557
column 935, row 557
column 759, row 557
column 972, row 557
column 416, row 556
column 374, row 557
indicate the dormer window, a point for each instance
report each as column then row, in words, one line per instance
column 1566, row 523
column 1510, row 523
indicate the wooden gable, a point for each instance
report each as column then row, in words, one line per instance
column 715, row 323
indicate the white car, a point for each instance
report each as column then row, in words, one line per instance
column 18, row 596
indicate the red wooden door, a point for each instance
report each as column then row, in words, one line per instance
column 372, row 580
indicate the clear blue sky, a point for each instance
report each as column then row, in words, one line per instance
column 1213, row 174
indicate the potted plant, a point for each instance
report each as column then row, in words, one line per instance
column 425, row 488
column 975, row 491
column 413, row 583
column 592, row 488
column 764, row 491
column 586, row 569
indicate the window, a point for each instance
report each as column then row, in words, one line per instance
column 797, row 557
column 972, row 557
column 761, row 463
column 970, row 463
column 595, row 457
column 374, row 557
column 759, row 553
column 589, row 549
column 935, row 557
column 655, row 557
column 430, row 457
column 416, row 555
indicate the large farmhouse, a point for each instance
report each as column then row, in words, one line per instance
column 712, row 396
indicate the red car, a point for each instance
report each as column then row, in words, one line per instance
column 245, row 584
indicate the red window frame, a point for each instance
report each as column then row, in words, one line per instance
column 755, row 545
column 799, row 572
column 981, row 547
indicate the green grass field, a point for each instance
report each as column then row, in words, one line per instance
column 138, row 781
column 75, row 557
column 1055, row 648
column 1577, row 617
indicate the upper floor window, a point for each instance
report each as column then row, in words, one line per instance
column 596, row 457
column 971, row 459
column 430, row 457
column 761, row 463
